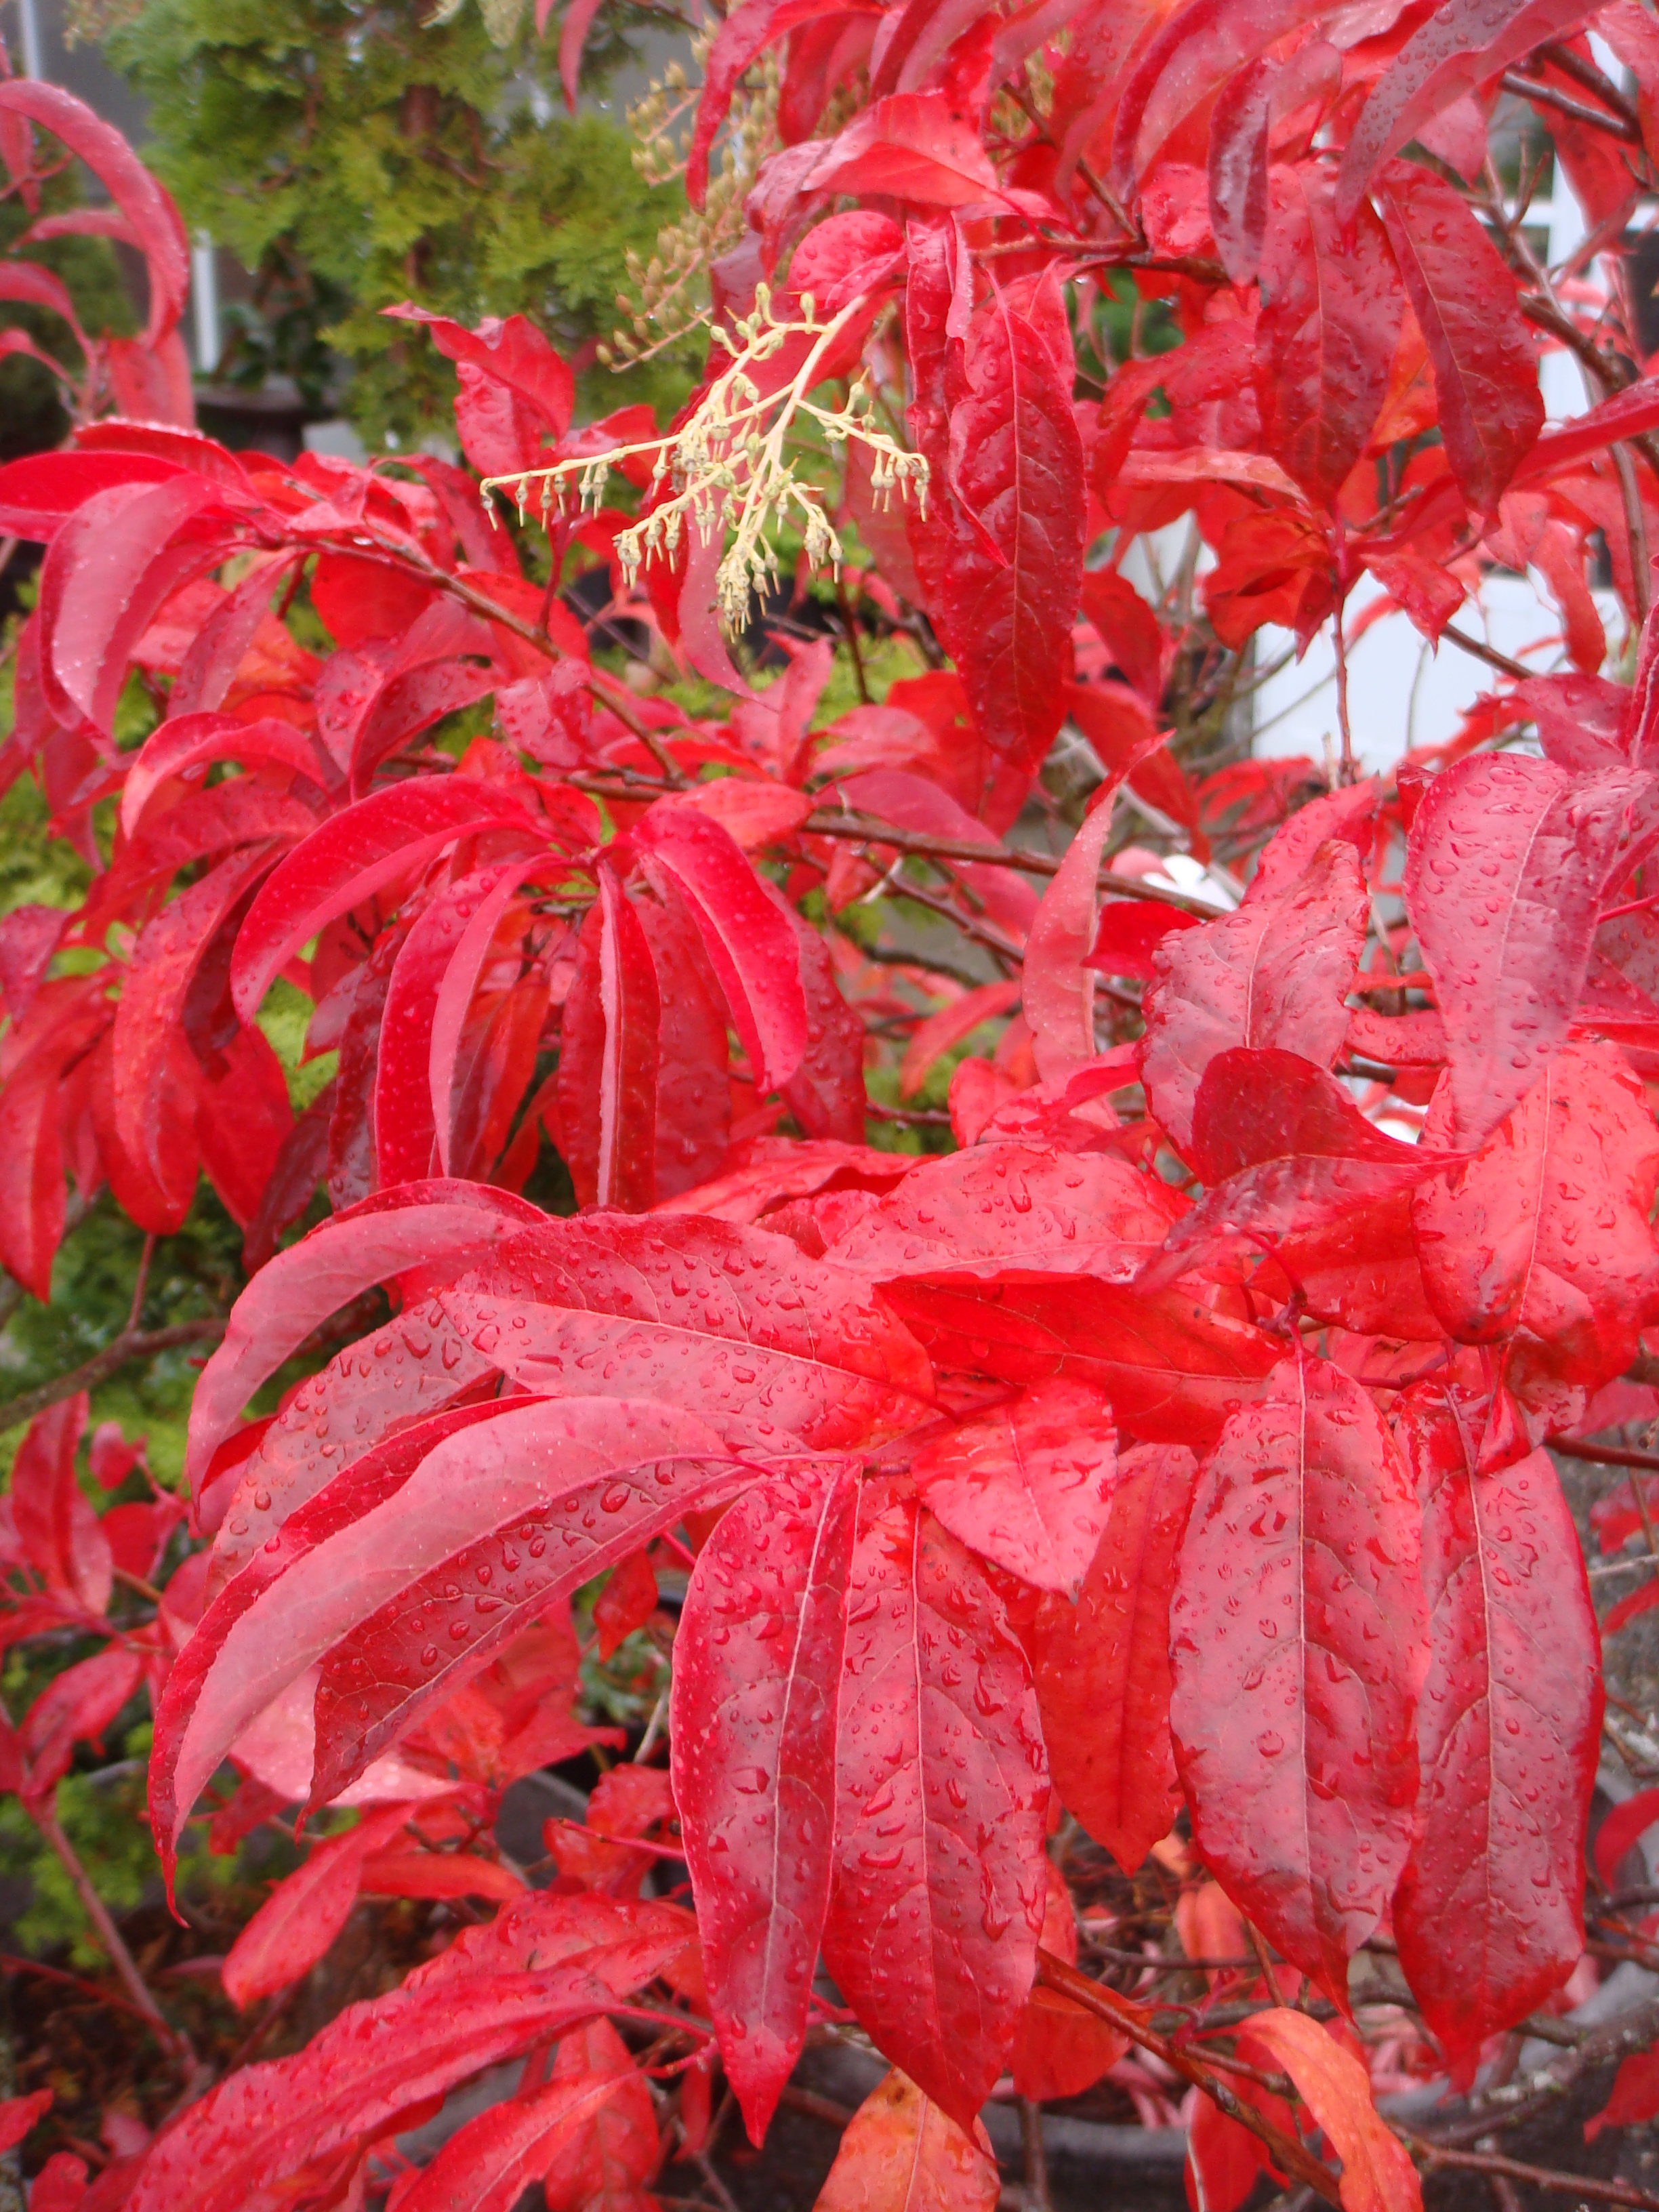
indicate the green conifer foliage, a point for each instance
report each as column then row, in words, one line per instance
column 355, row 154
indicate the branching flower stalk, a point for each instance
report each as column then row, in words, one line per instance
column 728, row 465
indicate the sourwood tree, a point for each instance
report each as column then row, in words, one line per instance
column 1110, row 1497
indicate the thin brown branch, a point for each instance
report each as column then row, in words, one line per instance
column 1289, row 2157
column 1595, row 81
column 175, row 2038
column 1540, row 2176
column 1489, row 653
column 130, row 1344
column 1580, row 111
column 1602, row 1454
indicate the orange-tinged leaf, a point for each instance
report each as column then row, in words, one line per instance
column 901, row 2154
column 1377, row 2175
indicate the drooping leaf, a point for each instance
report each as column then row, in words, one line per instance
column 540, row 1968
column 754, row 1738
column 418, row 1224
column 1508, row 941
column 389, row 836
column 1489, row 1912
column 1285, row 1150
column 584, row 1479
column 1377, row 2173
column 1276, row 973
column 1462, row 45
column 299, row 1920
column 941, row 1791
column 246, row 1571
column 1000, row 557
column 749, row 944
column 57, row 1529
column 76, row 1707
column 771, row 1348
column 1326, row 337
column 1028, row 1486
column 1464, row 299
column 902, row 2153
column 1101, row 1665
column 1501, row 1239
column 610, row 1058
column 1298, row 1640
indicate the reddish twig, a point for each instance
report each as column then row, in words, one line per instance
column 173, row 2038
column 1289, row 2157
column 131, row 1344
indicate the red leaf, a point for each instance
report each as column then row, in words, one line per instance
column 297, row 1524
column 1501, row 1239
column 1028, row 1486
column 481, row 1063
column 57, row 1529
column 147, row 207
column 1635, row 2098
column 31, row 1211
column 1624, row 1826
column 1102, row 1665
column 1194, row 53
column 1000, row 1207
column 610, row 1057
column 1224, row 2161
column 598, row 1476
column 60, row 2185
column 419, row 1223
column 1058, row 994
column 77, row 1706
column 1509, row 943
column 110, row 570
column 41, row 491
column 150, row 1018
column 1463, row 46
column 1326, row 338
column 826, row 1093
column 911, row 146
column 405, row 1137
column 1486, row 374
column 600, row 2159
column 941, row 1032
column 187, row 745
column 28, row 938
column 627, row 1602
column 19, row 2114
column 385, row 838
column 750, row 945
column 539, row 1970
column 439, row 1874
column 768, row 1347
column 488, row 2163
column 1377, row 2173
column 357, row 598
column 1489, row 1912
column 1285, row 1150
column 1000, row 553
column 243, row 1119
column 1297, row 1642
column 1061, row 2050
column 753, row 1733
column 511, row 352
column 941, row 1796
column 1276, row 973
column 902, row 2153
column 300, row 1918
